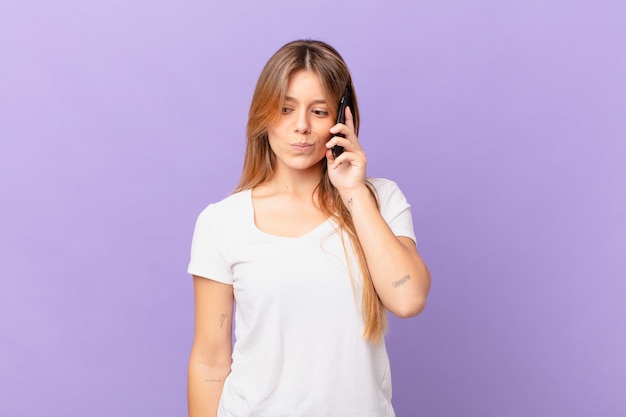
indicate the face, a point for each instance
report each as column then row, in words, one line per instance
column 299, row 136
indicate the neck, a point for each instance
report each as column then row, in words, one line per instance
column 295, row 182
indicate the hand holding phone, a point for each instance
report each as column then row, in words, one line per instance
column 345, row 101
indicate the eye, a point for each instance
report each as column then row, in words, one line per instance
column 320, row 113
column 286, row 110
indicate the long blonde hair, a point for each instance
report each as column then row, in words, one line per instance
column 267, row 101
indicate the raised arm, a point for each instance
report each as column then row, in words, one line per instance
column 400, row 277
column 210, row 359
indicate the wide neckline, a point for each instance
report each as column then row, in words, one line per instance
column 322, row 226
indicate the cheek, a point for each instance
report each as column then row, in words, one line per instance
column 271, row 142
column 272, row 136
column 276, row 131
column 323, row 128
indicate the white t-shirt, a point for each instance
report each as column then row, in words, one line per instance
column 299, row 349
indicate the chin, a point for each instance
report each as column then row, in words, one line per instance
column 312, row 165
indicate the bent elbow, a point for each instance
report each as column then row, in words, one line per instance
column 409, row 309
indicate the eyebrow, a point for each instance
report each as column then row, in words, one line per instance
column 319, row 101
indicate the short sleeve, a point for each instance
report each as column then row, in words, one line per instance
column 394, row 207
column 208, row 259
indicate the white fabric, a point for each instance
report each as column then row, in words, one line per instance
column 299, row 350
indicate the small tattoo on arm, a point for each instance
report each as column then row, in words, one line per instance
column 212, row 380
column 223, row 319
column 350, row 202
column 401, row 281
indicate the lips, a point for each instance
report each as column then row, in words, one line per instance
column 301, row 147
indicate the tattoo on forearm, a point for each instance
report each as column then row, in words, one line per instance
column 401, row 281
column 222, row 320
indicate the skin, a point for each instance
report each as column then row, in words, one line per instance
column 285, row 206
column 210, row 358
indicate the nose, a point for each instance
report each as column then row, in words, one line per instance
column 303, row 124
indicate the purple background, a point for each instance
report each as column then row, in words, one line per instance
column 504, row 123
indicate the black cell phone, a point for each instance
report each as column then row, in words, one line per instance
column 345, row 101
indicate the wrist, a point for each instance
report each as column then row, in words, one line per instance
column 356, row 196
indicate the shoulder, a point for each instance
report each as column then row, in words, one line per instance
column 394, row 206
column 382, row 183
column 385, row 188
column 391, row 199
column 230, row 208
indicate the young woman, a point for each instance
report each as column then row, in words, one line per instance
column 312, row 253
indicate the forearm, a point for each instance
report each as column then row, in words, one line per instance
column 204, row 389
column 400, row 276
